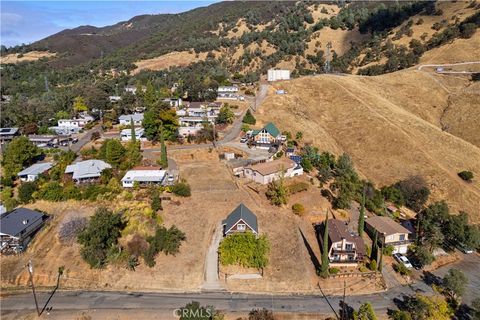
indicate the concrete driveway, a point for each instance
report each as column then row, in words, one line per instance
column 211, row 282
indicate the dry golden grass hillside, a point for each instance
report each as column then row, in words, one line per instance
column 29, row 56
column 391, row 126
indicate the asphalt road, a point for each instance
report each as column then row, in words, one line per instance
column 168, row 301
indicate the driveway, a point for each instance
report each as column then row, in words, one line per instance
column 470, row 265
column 211, row 282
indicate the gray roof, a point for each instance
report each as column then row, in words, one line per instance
column 36, row 169
column 13, row 222
column 241, row 213
column 8, row 131
column 135, row 117
column 87, row 169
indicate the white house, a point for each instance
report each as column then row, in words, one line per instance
column 87, row 171
column 267, row 172
column 276, row 75
column 143, row 176
column 34, row 171
column 227, row 92
column 189, row 131
column 125, row 119
column 79, row 122
column 126, row 134
column 173, row 102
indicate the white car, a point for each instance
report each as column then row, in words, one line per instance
column 170, row 178
column 243, row 140
column 403, row 260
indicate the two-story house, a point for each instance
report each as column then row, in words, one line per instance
column 389, row 233
column 344, row 249
column 267, row 137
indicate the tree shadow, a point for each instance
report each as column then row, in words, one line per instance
column 346, row 311
column 463, row 312
column 431, row 279
column 313, row 257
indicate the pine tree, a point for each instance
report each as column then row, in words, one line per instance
column 325, row 261
column 132, row 128
column 163, row 159
column 361, row 218
column 374, row 253
column 380, row 262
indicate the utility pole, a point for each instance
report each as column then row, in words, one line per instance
column 343, row 301
column 30, row 270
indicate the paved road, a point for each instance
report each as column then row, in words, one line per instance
column 85, row 138
column 168, row 301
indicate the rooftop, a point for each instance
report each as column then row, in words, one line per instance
column 142, row 174
column 134, row 116
column 270, row 128
column 8, row 131
column 266, row 168
column 87, row 169
column 14, row 222
column 36, row 169
column 241, row 213
column 386, row 225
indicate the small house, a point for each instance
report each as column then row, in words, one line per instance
column 241, row 219
column 126, row 134
column 143, row 176
column 267, row 172
column 389, row 233
column 126, row 119
column 86, row 171
column 17, row 228
column 34, row 171
column 343, row 247
column 7, row 134
column 174, row 102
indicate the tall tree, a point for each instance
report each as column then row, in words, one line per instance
column 365, row 312
column 454, row 283
column 325, row 261
column 361, row 218
column 132, row 128
column 374, row 253
column 19, row 152
column 164, row 158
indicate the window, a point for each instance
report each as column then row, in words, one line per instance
column 402, row 237
column 240, row 227
column 339, row 246
column 349, row 247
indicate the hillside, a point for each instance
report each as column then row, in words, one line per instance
column 390, row 125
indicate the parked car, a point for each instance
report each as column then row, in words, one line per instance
column 243, row 139
column 170, row 178
column 402, row 259
column 75, row 140
column 465, row 249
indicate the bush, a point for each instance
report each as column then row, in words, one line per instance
column 70, row 229
column 166, row 240
column 298, row 209
column 297, row 187
column 333, row 270
column 51, row 191
column 244, row 249
column 373, row 265
column 100, row 235
column 388, row 250
column 277, row 193
column 466, row 175
column 401, row 269
column 181, row 189
column 137, row 246
column 25, row 191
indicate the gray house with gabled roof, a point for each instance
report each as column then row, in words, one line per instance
column 241, row 219
column 17, row 228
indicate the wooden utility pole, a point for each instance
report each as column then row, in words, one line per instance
column 30, row 270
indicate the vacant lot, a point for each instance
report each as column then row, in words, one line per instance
column 29, row 56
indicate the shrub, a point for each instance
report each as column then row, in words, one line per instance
column 388, row 250
column 156, row 202
column 298, row 209
column 297, row 187
column 181, row 189
column 466, row 175
column 51, row 191
column 166, row 240
column 401, row 269
column 244, row 249
column 333, row 270
column 70, row 229
column 137, row 246
column 277, row 193
column 373, row 265
column 101, row 234
column 261, row 314
column 25, row 191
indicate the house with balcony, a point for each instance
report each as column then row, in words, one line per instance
column 389, row 233
column 86, row 171
column 267, row 137
column 344, row 249
column 126, row 119
column 17, row 228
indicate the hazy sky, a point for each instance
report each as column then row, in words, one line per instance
column 28, row 21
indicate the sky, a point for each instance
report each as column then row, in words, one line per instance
column 28, row 21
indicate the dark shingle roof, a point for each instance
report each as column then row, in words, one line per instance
column 12, row 223
column 241, row 213
column 337, row 230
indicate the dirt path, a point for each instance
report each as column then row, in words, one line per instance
column 211, row 282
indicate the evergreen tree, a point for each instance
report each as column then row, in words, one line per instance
column 380, row 262
column 325, row 261
column 361, row 218
column 163, row 159
column 132, row 128
column 374, row 253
